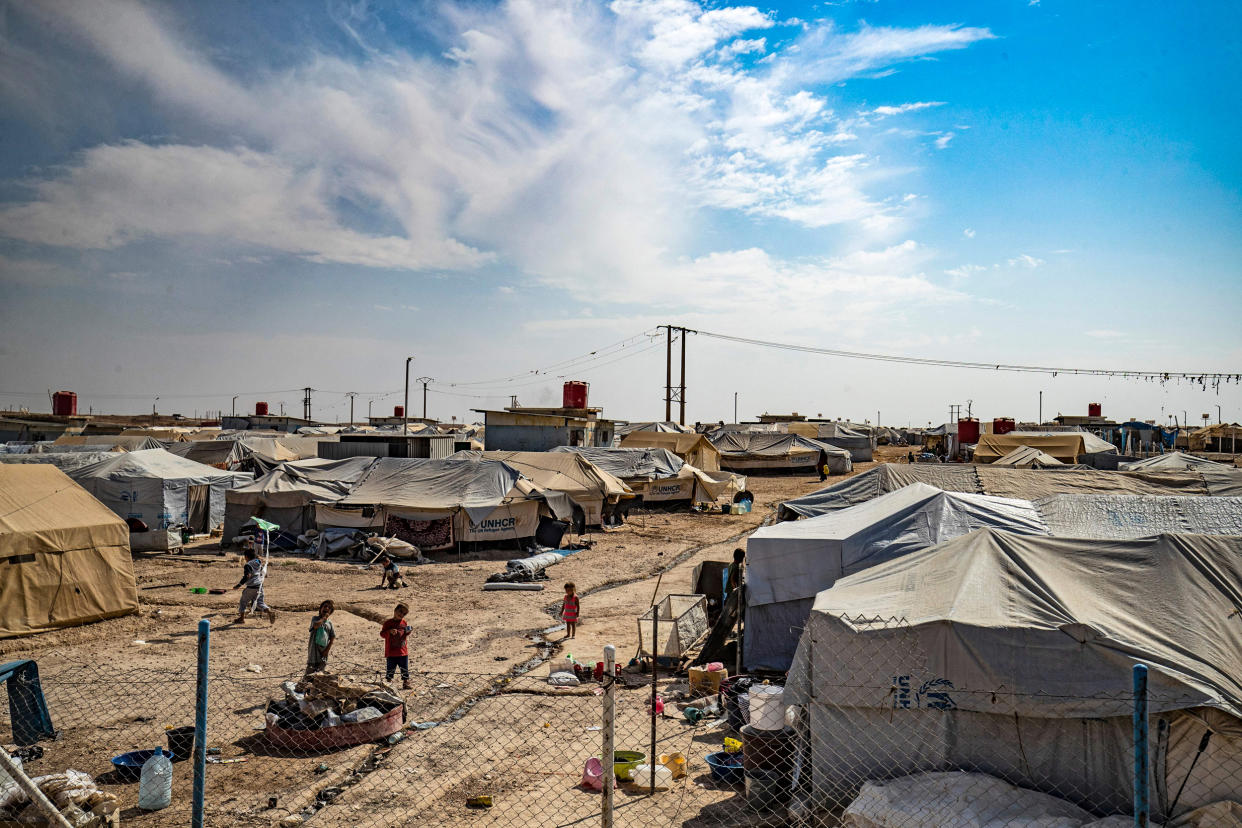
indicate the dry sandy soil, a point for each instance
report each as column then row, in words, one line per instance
column 115, row 685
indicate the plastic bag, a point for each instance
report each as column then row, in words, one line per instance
column 362, row 714
column 563, row 679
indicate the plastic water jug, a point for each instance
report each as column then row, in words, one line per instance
column 663, row 776
column 767, row 707
column 7, row 783
column 155, row 784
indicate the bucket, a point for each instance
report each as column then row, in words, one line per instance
column 733, row 691
column 180, row 742
column 675, row 762
column 593, row 774
column 767, row 750
column 766, row 790
column 767, row 707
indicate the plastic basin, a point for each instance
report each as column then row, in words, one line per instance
column 129, row 765
column 624, row 762
column 725, row 767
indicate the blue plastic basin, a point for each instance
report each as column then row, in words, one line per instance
column 129, row 765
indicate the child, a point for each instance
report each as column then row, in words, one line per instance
column 395, row 632
column 391, row 576
column 322, row 635
column 252, row 595
column 570, row 607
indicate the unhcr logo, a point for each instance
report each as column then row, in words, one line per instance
column 494, row 525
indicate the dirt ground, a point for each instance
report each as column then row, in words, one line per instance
column 115, row 685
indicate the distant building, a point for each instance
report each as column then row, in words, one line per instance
column 415, row 422
column 431, row 446
column 264, row 422
column 782, row 418
column 541, row 429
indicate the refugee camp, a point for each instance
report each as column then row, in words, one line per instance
column 620, row 413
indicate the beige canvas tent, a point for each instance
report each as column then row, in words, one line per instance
column 586, row 485
column 65, row 555
column 1028, row 457
column 1222, row 437
column 1068, row 447
column 694, row 449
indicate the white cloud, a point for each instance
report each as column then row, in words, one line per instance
column 965, row 271
column 1106, row 334
column 901, row 109
column 969, row 233
column 570, row 142
column 944, row 139
column 1025, row 260
column 505, row 289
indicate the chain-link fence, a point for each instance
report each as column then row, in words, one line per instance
column 848, row 742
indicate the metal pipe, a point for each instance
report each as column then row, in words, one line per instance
column 1142, row 808
column 609, row 728
column 200, row 723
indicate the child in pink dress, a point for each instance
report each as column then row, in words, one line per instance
column 570, row 608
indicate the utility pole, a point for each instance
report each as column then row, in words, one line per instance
column 306, row 402
column 668, row 375
column 235, row 396
column 153, row 402
column 735, row 406
column 682, row 395
column 424, row 381
column 1041, row 408
column 405, row 410
column 351, row 396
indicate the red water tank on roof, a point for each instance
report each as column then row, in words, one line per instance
column 260, row 409
column 398, row 411
column 968, row 430
column 1003, row 425
column 1095, row 410
column 575, row 394
column 64, row 403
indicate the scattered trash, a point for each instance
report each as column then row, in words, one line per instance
column 272, row 802
column 254, row 668
column 139, row 641
column 198, row 590
column 328, row 794
column 213, row 751
column 423, row 725
column 165, row 586
column 563, row 679
column 394, row 738
column 483, row 801
column 216, row 760
column 321, row 768
column 291, row 820
column 593, row 729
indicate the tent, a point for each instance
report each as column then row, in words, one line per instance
column 287, row 494
column 1222, row 437
column 223, row 454
column 63, row 460
column 1011, row 655
column 659, row 476
column 109, row 442
column 162, row 490
column 1171, row 461
column 694, row 449
column 1068, row 447
column 750, row 451
column 435, row 504
column 577, row 480
column 787, row 564
column 66, row 556
column 1026, row 457
column 623, row 429
column 858, row 441
column 1027, row 484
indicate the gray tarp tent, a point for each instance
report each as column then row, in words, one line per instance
column 223, row 454
column 64, row 461
column 1026, row 457
column 287, row 494
column 1026, row 484
column 1171, row 461
column 787, row 564
column 657, row 475
column 1011, row 655
column 162, row 490
column 437, row 503
column 767, row 452
column 860, row 444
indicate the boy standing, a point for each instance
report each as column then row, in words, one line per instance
column 252, row 579
column 395, row 633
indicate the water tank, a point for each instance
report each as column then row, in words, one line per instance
column 1003, row 425
column 1095, row 410
column 260, row 409
column 575, row 394
column 968, row 430
column 398, row 411
column 64, row 403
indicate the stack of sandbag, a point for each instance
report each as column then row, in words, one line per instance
column 73, row 792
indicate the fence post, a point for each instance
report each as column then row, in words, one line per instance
column 200, row 724
column 610, row 688
column 37, row 797
column 655, row 678
column 1142, row 813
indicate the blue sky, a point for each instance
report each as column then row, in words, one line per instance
column 201, row 200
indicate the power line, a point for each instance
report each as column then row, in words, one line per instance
column 1202, row 377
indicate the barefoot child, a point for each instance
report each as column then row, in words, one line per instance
column 570, row 607
column 395, row 633
column 322, row 635
column 252, row 596
column 391, row 575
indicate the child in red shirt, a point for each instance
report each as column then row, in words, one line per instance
column 395, row 631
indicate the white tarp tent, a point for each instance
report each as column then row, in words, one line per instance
column 1011, row 655
column 287, row 494
column 1171, row 461
column 162, row 490
column 764, row 452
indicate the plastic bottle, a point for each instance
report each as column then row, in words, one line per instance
column 155, row 783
